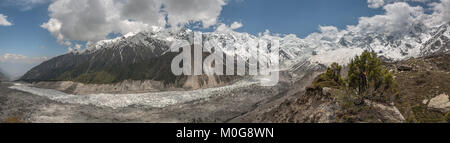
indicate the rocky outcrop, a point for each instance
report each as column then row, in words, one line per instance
column 387, row 112
column 440, row 102
column 325, row 105
column 404, row 68
column 315, row 106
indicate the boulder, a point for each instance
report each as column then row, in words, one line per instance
column 404, row 68
column 390, row 114
column 440, row 102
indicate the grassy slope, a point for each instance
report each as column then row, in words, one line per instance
column 429, row 78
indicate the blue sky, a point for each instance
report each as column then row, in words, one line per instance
column 25, row 36
column 301, row 17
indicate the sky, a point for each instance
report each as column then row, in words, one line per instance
column 32, row 31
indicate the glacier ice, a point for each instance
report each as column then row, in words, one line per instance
column 154, row 99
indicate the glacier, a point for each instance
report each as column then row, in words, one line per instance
column 295, row 53
column 153, row 99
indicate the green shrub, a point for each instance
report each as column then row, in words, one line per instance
column 367, row 73
column 101, row 77
column 331, row 78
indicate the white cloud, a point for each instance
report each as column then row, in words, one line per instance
column 398, row 19
column 54, row 27
column 4, row 20
column 222, row 27
column 381, row 3
column 328, row 33
column 21, row 59
column 11, row 57
column 94, row 20
column 76, row 48
column 83, row 20
column 375, row 3
column 16, row 65
column 441, row 12
column 236, row 25
column 25, row 5
column 147, row 12
column 180, row 12
column 225, row 28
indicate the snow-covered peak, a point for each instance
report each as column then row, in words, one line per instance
column 129, row 34
column 323, row 48
column 439, row 41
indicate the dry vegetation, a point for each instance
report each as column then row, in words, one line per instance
column 429, row 77
column 14, row 120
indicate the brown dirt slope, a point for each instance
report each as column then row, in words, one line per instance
column 428, row 78
column 418, row 79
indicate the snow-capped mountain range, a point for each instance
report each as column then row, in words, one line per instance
column 418, row 41
column 318, row 48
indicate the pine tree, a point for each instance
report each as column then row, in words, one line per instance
column 366, row 71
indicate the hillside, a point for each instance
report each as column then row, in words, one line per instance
column 110, row 60
column 422, row 97
column 139, row 57
column 135, row 59
column 427, row 80
column 3, row 77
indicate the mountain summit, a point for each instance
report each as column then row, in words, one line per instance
column 145, row 55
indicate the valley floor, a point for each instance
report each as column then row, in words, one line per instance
column 218, row 105
column 423, row 97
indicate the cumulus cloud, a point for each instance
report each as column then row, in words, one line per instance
column 381, row 3
column 185, row 11
column 326, row 34
column 83, row 20
column 222, row 27
column 21, row 59
column 330, row 33
column 225, row 28
column 25, row 5
column 398, row 19
column 441, row 12
column 146, row 11
column 236, row 25
column 15, row 65
column 4, row 20
column 375, row 3
column 76, row 48
column 54, row 27
column 94, row 20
